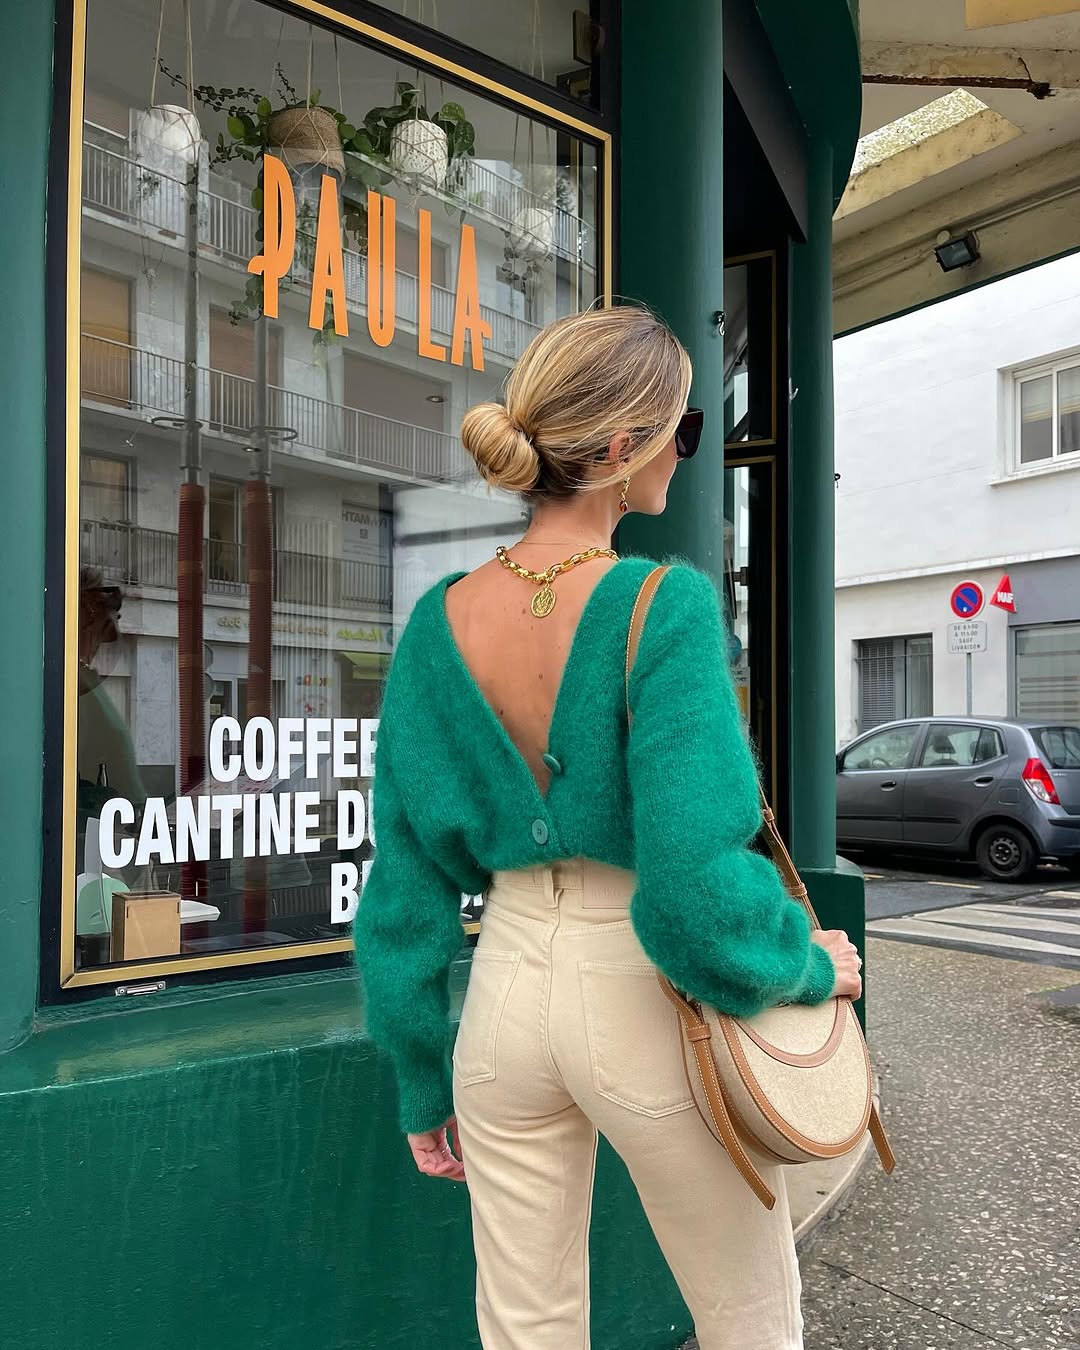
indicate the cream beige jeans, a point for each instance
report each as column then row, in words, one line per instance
column 565, row 1032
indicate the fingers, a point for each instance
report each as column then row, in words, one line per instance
column 434, row 1156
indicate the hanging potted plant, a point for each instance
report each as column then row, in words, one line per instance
column 433, row 149
column 534, row 227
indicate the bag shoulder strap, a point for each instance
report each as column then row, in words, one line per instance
column 637, row 623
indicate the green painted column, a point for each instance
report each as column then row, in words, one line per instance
column 836, row 887
column 813, row 525
column 671, row 213
column 26, row 33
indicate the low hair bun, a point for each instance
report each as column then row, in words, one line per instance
column 505, row 456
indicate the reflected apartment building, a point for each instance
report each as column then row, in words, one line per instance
column 369, row 477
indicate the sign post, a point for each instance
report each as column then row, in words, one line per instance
column 966, row 602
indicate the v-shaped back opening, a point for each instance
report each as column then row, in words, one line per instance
column 564, row 689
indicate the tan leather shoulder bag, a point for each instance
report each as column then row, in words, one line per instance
column 792, row 1082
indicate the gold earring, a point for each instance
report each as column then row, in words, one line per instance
column 623, row 507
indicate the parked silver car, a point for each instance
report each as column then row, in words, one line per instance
column 1004, row 792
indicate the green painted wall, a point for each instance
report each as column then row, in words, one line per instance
column 671, row 245
column 813, row 527
column 224, row 1170
column 26, row 45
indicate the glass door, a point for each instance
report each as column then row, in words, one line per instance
column 755, row 533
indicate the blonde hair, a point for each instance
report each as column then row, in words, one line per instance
column 579, row 382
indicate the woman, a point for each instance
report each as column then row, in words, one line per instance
column 505, row 765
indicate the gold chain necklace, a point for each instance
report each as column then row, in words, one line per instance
column 543, row 602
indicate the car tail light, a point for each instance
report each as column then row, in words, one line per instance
column 1038, row 782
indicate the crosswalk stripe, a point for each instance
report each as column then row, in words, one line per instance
column 960, row 885
column 1028, row 911
column 953, row 933
column 978, row 916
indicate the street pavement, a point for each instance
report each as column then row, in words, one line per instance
column 1037, row 920
column 974, row 1241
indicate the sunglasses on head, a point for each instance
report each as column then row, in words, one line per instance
column 688, row 433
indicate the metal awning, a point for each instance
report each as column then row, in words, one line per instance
column 971, row 112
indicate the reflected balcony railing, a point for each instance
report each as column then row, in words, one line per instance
column 132, row 556
column 140, row 381
column 117, row 185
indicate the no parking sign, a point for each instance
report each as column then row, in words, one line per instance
column 966, row 600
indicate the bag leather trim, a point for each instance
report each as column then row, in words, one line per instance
column 810, row 1061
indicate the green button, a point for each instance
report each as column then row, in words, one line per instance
column 540, row 831
column 552, row 763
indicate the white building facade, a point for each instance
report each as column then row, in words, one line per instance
column 958, row 455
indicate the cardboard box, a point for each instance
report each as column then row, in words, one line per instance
column 145, row 924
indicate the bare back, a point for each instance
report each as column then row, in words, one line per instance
column 516, row 659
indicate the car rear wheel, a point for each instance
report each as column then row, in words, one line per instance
column 1005, row 853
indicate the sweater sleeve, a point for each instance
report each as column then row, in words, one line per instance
column 406, row 933
column 712, row 914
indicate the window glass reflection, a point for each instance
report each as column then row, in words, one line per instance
column 749, row 351
column 557, row 41
column 262, row 500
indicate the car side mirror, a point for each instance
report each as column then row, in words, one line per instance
column 839, row 761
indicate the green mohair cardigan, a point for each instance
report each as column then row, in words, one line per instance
column 676, row 801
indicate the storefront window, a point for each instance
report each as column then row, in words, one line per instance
column 263, row 499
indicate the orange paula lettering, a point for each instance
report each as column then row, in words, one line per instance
column 467, row 315
column 425, row 346
column 328, row 270
column 279, row 232
column 381, row 265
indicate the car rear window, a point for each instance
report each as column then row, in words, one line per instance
column 1060, row 746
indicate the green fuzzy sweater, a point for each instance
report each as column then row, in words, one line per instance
column 676, row 801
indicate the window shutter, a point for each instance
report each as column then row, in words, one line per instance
column 877, row 682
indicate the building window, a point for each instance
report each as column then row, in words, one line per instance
column 232, row 372
column 895, row 679
column 1048, row 673
column 106, row 337
column 1047, row 415
column 458, row 238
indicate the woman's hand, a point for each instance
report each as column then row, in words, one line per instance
column 434, row 1156
column 845, row 958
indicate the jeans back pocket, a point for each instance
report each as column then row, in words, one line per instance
column 634, row 1038
column 490, row 978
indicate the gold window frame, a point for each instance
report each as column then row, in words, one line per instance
column 372, row 35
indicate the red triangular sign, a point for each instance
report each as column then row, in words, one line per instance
column 1003, row 595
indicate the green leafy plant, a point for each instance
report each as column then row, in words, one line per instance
column 380, row 123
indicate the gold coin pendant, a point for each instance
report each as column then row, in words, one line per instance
column 543, row 602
